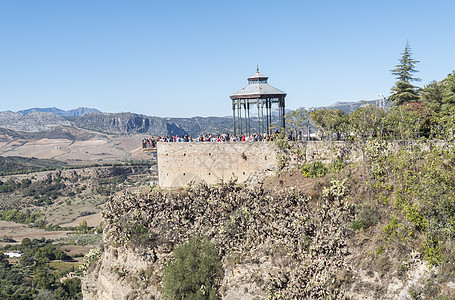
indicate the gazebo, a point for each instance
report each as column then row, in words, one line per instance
column 263, row 95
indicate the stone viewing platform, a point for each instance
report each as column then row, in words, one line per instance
column 181, row 163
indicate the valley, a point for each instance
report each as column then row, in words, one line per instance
column 54, row 186
column 74, row 146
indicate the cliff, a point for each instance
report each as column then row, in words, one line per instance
column 125, row 123
column 272, row 245
column 47, row 119
column 335, row 240
column 263, row 238
column 33, row 122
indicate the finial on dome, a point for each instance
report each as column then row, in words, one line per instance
column 257, row 68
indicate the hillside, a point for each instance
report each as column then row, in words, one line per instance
column 199, row 125
column 17, row 165
column 33, row 122
column 72, row 145
column 127, row 123
column 53, row 218
column 62, row 195
column 366, row 230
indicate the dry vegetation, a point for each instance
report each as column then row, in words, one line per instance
column 381, row 228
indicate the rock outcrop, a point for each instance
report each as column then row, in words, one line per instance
column 277, row 244
column 270, row 243
column 33, row 122
column 121, row 273
column 125, row 123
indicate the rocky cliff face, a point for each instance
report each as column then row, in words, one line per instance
column 277, row 244
column 199, row 125
column 270, row 243
column 134, row 123
column 46, row 119
column 128, row 123
column 121, row 273
column 33, row 122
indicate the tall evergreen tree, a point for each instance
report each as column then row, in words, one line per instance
column 404, row 91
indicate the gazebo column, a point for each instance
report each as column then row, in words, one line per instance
column 270, row 116
column 239, row 112
column 262, row 117
column 244, row 124
column 271, row 120
column 267, row 108
column 266, row 116
column 245, row 111
column 233, row 115
column 259, row 118
column 248, row 118
column 280, row 114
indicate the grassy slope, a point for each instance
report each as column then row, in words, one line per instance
column 18, row 165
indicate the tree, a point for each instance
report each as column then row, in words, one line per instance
column 43, row 278
column 406, row 67
column 83, row 227
column 331, row 122
column 448, row 99
column 432, row 95
column 195, row 272
column 404, row 122
column 298, row 124
column 404, row 91
column 440, row 97
column 367, row 122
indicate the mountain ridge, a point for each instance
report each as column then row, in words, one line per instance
column 76, row 112
column 49, row 118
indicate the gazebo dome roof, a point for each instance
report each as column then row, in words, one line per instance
column 258, row 88
column 257, row 76
column 255, row 91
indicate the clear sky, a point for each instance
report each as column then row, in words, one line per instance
column 185, row 58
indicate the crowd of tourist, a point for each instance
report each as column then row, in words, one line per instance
column 150, row 142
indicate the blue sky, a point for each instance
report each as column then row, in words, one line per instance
column 184, row 58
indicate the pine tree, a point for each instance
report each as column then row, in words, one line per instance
column 404, row 91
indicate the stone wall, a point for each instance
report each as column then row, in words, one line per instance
column 322, row 151
column 180, row 163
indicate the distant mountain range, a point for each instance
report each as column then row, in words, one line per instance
column 349, row 107
column 59, row 112
column 32, row 122
column 48, row 119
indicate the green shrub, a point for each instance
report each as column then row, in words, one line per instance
column 195, row 271
column 367, row 215
column 357, row 224
column 314, row 170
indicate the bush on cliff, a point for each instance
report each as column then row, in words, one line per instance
column 195, row 271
